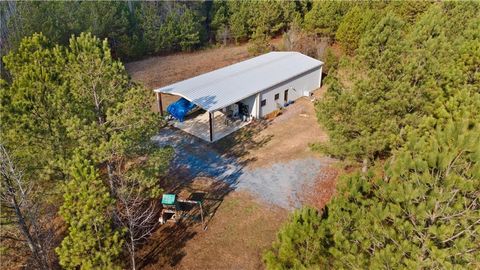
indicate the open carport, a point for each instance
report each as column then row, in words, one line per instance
column 198, row 125
column 230, row 97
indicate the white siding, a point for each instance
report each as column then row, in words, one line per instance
column 297, row 87
column 222, row 87
column 251, row 102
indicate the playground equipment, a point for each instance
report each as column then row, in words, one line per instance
column 169, row 211
column 172, row 209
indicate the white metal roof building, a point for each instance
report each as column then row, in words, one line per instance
column 251, row 83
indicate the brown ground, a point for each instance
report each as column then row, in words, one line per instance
column 240, row 228
column 159, row 71
column 289, row 135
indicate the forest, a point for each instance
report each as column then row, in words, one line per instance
column 400, row 110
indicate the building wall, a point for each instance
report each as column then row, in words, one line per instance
column 251, row 102
column 299, row 86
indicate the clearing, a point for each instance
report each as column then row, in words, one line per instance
column 251, row 179
column 158, row 71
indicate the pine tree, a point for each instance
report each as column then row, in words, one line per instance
column 33, row 107
column 416, row 101
column 180, row 30
column 259, row 43
column 240, row 15
column 272, row 16
column 353, row 26
column 84, row 103
column 149, row 21
column 91, row 243
column 408, row 10
column 325, row 17
column 220, row 21
column 299, row 243
column 420, row 211
column 405, row 72
column 188, row 30
column 131, row 29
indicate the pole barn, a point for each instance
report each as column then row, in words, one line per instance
column 232, row 96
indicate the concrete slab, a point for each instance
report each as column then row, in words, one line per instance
column 198, row 126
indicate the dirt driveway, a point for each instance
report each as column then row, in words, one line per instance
column 262, row 170
column 273, row 166
column 260, row 184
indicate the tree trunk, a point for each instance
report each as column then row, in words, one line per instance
column 14, row 194
column 32, row 244
column 365, row 165
column 132, row 252
column 110, row 179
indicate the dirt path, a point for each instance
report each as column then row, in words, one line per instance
column 262, row 171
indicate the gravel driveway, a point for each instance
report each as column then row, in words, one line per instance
column 279, row 183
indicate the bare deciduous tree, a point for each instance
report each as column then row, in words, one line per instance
column 135, row 212
column 19, row 208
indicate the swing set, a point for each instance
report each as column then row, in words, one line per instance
column 172, row 210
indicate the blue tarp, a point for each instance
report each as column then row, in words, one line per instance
column 180, row 109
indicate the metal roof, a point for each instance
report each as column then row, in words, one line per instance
column 222, row 87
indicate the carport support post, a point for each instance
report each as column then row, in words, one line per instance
column 159, row 103
column 210, row 120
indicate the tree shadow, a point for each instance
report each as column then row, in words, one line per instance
column 241, row 142
column 171, row 238
column 167, row 249
column 203, row 172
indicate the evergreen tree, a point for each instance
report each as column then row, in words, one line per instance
column 97, row 83
column 239, row 17
column 362, row 125
column 130, row 28
column 408, row 10
column 34, row 106
column 416, row 99
column 299, row 243
column 259, row 44
column 91, row 243
column 272, row 16
column 149, row 22
column 423, row 213
column 325, row 17
column 408, row 72
column 80, row 100
column 353, row 26
column 220, row 21
column 189, row 31
column 180, row 31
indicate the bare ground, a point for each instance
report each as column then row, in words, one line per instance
column 159, row 71
column 241, row 225
column 238, row 230
column 262, row 164
column 163, row 70
column 290, row 135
